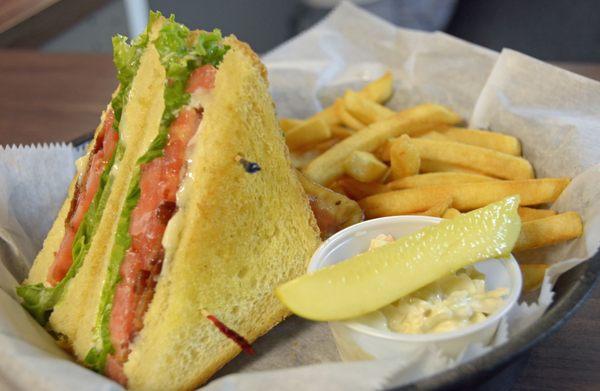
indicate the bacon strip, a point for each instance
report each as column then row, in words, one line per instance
column 85, row 191
column 142, row 264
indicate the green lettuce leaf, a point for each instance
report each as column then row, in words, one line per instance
column 180, row 56
column 38, row 299
column 96, row 357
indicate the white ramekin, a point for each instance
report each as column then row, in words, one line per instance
column 368, row 337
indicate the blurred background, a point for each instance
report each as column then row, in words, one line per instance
column 552, row 30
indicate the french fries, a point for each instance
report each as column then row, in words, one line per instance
column 405, row 158
column 357, row 190
column 439, row 209
column 486, row 139
column 341, row 131
column 437, row 178
column 329, row 165
column 365, row 110
column 533, row 275
column 287, row 124
column 549, row 230
column 333, row 211
column 485, row 160
column 417, row 161
column 364, row 166
column 428, row 165
column 451, row 213
column 346, row 118
column 308, row 133
column 466, row 196
column 379, row 90
column 528, row 214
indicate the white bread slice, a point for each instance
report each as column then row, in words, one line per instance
column 243, row 235
column 39, row 270
column 72, row 316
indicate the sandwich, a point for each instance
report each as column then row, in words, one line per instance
column 184, row 216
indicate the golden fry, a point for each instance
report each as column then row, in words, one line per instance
column 404, row 157
column 439, row 209
column 435, row 135
column 329, row 165
column 486, row 139
column 346, row 118
column 357, row 190
column 533, row 275
column 341, row 131
column 485, row 160
column 364, row 166
column 383, row 151
column 301, row 159
column 393, row 203
column 465, row 196
column 437, row 178
column 333, row 211
column 528, row 214
column 365, row 110
column 451, row 213
column 549, row 231
column 379, row 90
column 287, row 124
column 428, row 165
column 308, row 133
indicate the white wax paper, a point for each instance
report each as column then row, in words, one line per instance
column 552, row 111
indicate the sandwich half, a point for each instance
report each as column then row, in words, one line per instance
column 84, row 212
column 210, row 218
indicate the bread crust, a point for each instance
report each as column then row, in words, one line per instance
column 244, row 234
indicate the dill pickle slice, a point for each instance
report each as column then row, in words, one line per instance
column 374, row 279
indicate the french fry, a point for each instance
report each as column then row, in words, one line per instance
column 357, row 190
column 404, row 157
column 393, row 203
column 465, row 196
column 308, row 133
column 365, row 110
column 301, row 159
column 379, row 90
column 528, row 214
column 364, row 166
column 485, row 160
column 329, row 115
column 437, row 178
column 486, row 139
column 341, row 131
column 451, row 213
column 346, row 118
column 533, row 275
column 549, row 231
column 438, row 209
column 287, row 124
column 329, row 165
column 387, row 176
column 428, row 165
column 333, row 211
column 383, row 152
column 434, row 135
column 325, row 145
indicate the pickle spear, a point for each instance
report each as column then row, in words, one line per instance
column 374, row 279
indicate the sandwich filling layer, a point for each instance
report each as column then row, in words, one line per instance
column 136, row 259
column 91, row 190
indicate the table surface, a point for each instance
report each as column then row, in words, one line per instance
column 58, row 97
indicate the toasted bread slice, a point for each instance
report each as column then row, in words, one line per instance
column 73, row 316
column 241, row 236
